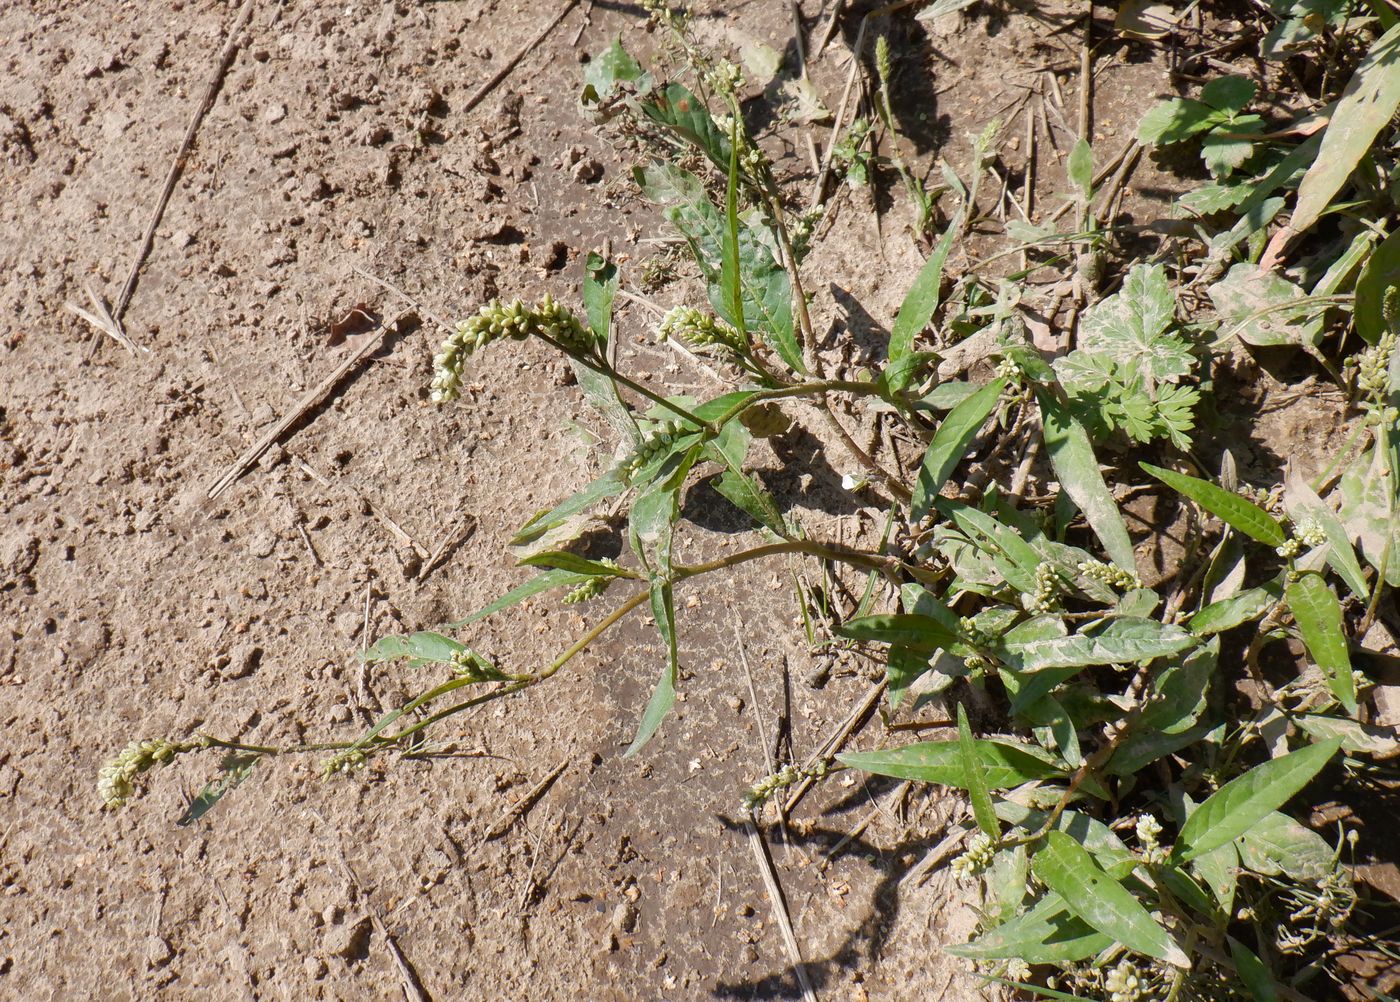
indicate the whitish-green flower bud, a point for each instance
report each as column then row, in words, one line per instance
column 559, row 323
column 116, row 779
column 346, row 761
column 700, row 330
column 654, row 445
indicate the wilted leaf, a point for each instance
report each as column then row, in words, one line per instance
column 1382, row 271
column 1367, row 105
column 1123, row 640
column 1368, row 510
column 1276, row 845
column 1255, row 306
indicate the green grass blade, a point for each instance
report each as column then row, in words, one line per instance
column 1319, row 617
column 1246, row 800
column 1233, row 510
column 729, row 254
column 663, row 697
column 537, row 584
column 1090, row 893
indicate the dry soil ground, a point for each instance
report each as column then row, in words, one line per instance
column 133, row 606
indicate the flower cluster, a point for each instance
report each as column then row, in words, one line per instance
column 700, row 330
column 1373, row 370
column 1123, row 984
column 981, row 850
column 657, row 444
column 468, row 664
column 497, row 320
column 1109, row 574
column 758, row 794
column 116, row 779
column 1047, row 590
column 593, row 587
column 1148, row 831
column 347, row 761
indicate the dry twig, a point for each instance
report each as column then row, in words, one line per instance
column 358, row 349
column 523, row 805
column 769, row 873
column 481, row 92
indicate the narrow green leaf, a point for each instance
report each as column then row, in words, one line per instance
column 1102, row 902
column 1123, row 640
column 1305, row 506
column 977, row 790
column 425, row 646
column 1081, row 167
column 1072, row 457
column 606, row 486
column 1319, row 617
column 600, row 285
column 1362, row 739
column 1367, row 105
column 537, row 584
column 651, row 528
column 564, row 560
column 685, row 114
column 1047, row 934
column 234, row 769
column 1381, row 271
column 950, row 444
column 1246, row 800
column 1231, row 612
column 729, row 268
column 910, row 630
column 663, row 697
column 919, row 306
column 1253, row 972
column 1005, row 763
column 1246, row 516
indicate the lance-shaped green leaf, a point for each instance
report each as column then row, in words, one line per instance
column 1124, row 640
column 1230, row 612
column 1253, row 972
column 1047, row 934
column 1382, row 270
column 1246, row 800
column 1367, row 105
column 1305, row 506
column 951, row 442
column 234, row 769
column 1277, row 845
column 685, row 114
column 905, row 629
column 663, row 697
column 976, row 777
column 729, row 267
column 1102, row 902
column 1230, row 508
column 1319, row 617
column 599, row 289
column 538, row 583
column 1005, row 763
column 919, row 306
column 424, row 646
column 1072, row 457
column 1363, row 739
column 608, row 485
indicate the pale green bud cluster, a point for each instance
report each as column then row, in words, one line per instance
column 656, row 444
column 1047, row 590
column 593, row 587
column 1148, row 831
column 1310, row 534
column 497, row 320
column 1291, row 548
column 347, row 761
column 882, row 59
column 700, row 330
column 116, row 780
column 1123, row 984
column 470, row 665
column 724, row 77
column 974, row 632
column 1373, row 369
column 1109, row 574
column 980, row 852
column 789, row 775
